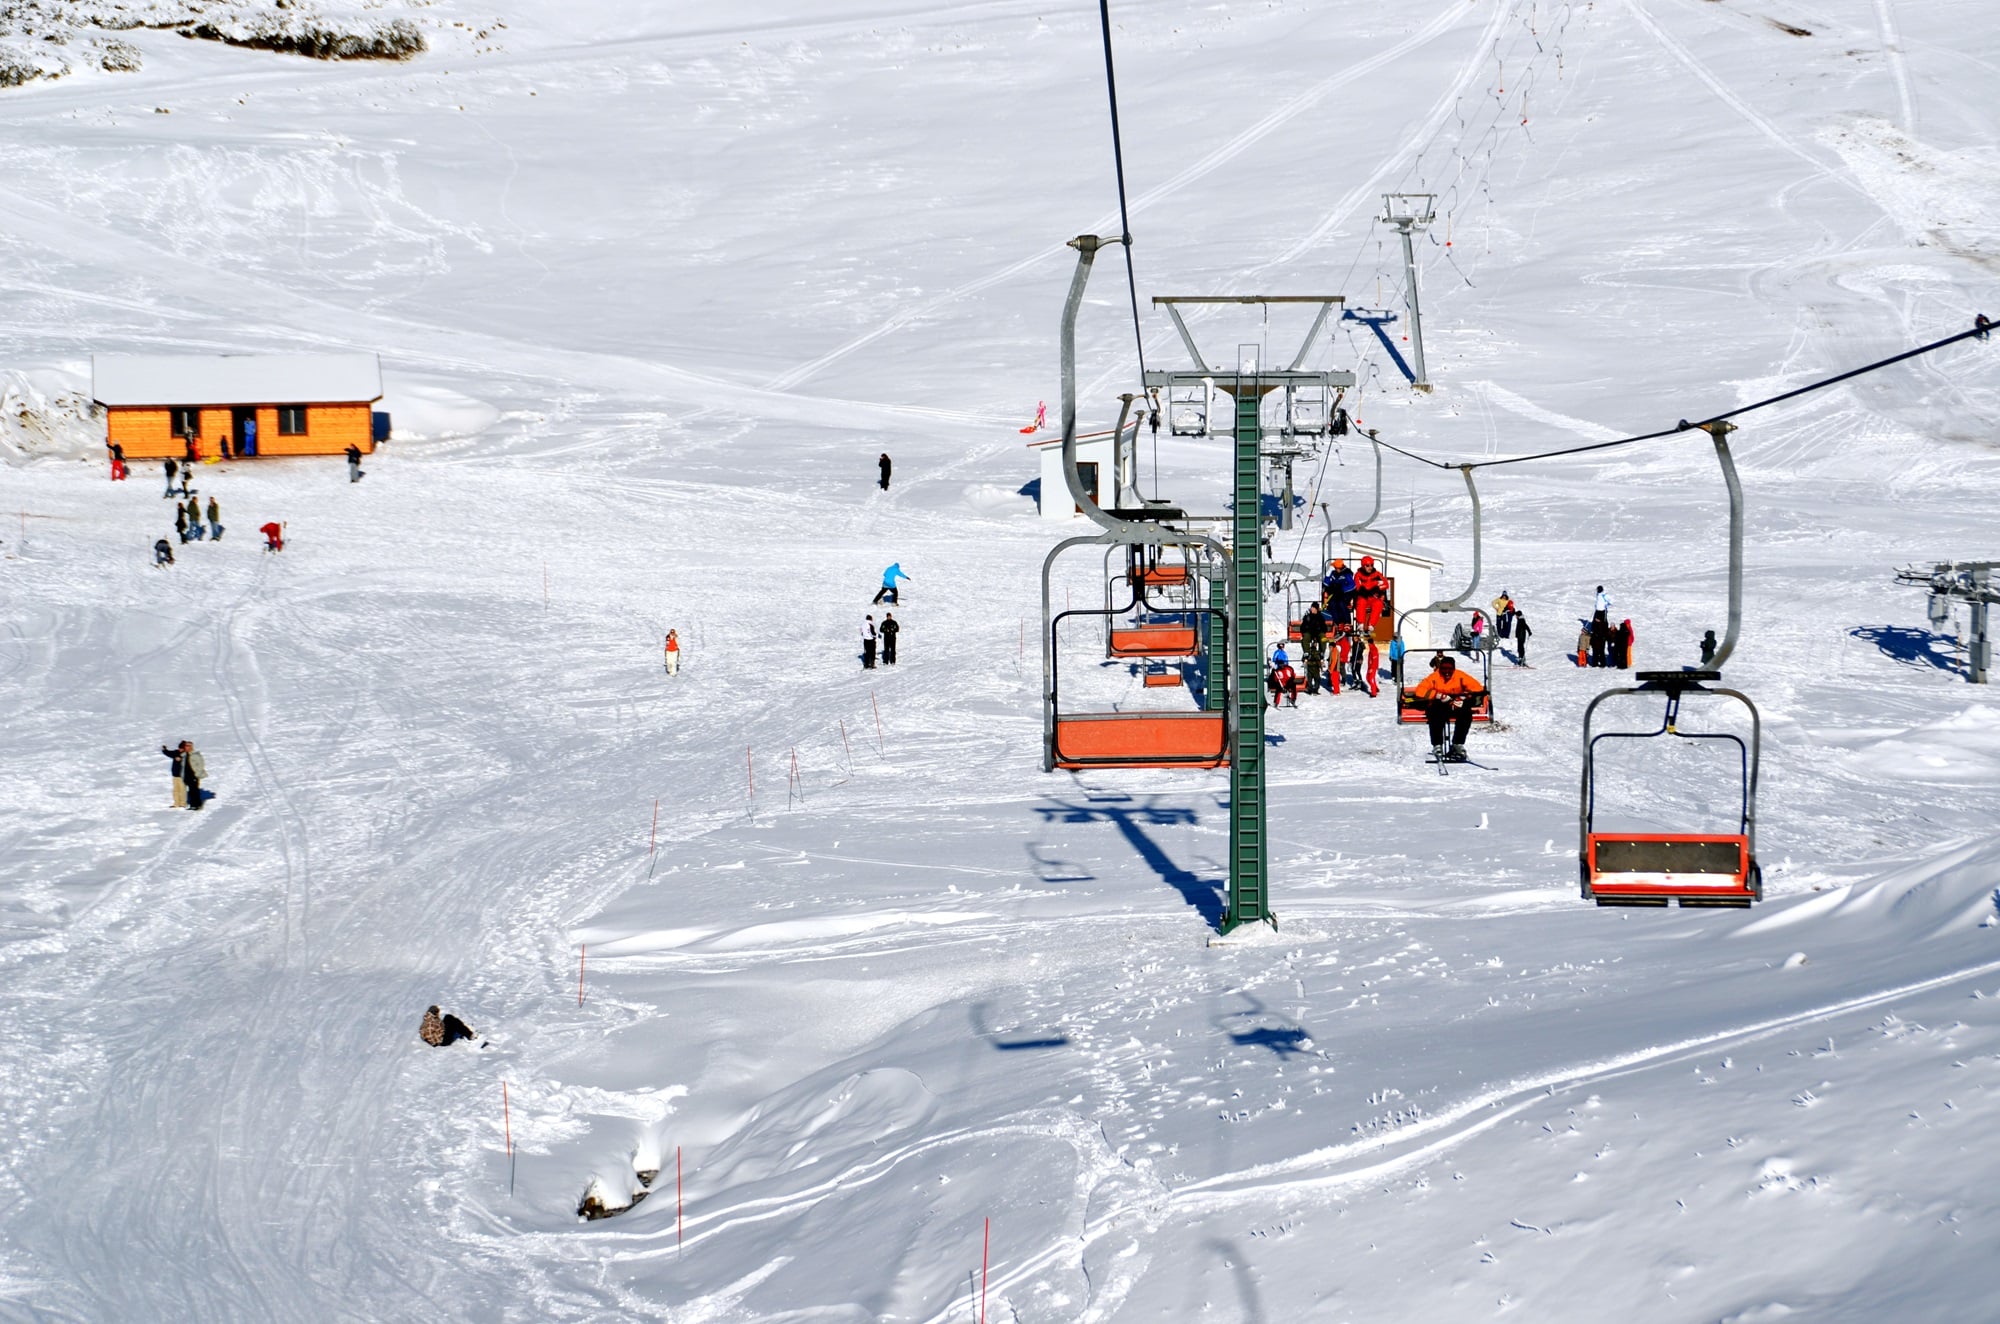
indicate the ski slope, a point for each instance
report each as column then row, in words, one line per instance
column 651, row 292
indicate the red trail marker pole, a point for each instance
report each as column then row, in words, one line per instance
column 845, row 745
column 985, row 1248
column 878, row 720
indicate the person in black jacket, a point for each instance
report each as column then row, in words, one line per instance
column 889, row 632
column 1312, row 634
column 163, row 553
column 172, row 467
column 354, row 474
column 883, row 462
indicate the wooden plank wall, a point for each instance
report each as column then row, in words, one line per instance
column 330, row 429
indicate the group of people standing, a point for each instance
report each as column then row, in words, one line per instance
column 1337, row 631
column 188, row 770
column 1600, row 643
column 881, row 639
column 193, row 522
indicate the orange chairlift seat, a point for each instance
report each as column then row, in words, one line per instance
column 1659, row 868
column 1155, row 641
column 1140, row 740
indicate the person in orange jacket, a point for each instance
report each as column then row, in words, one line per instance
column 1449, row 696
column 1371, row 594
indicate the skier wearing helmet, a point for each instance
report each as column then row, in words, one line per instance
column 1371, row 594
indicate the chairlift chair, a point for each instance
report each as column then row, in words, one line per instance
column 1657, row 868
column 1410, row 710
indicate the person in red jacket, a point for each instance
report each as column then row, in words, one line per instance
column 1371, row 594
column 1449, row 696
column 274, row 536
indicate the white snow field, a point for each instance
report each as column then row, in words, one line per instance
column 652, row 286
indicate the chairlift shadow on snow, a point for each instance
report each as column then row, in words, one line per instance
column 1913, row 647
column 977, row 1014
column 1131, row 818
column 1282, row 1039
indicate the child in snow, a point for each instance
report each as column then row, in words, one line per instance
column 673, row 653
column 163, row 553
column 274, row 536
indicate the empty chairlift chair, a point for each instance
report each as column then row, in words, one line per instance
column 1657, row 868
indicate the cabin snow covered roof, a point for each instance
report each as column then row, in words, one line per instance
column 234, row 379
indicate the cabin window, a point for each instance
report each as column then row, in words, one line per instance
column 291, row 420
column 186, row 421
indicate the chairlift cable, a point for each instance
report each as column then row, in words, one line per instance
column 1982, row 327
column 1124, row 216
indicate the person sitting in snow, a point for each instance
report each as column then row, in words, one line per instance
column 443, row 1031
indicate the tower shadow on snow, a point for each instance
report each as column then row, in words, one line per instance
column 1913, row 647
column 1131, row 818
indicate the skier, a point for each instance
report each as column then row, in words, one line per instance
column 1503, row 613
column 1312, row 633
column 118, row 470
column 274, row 536
column 178, row 754
column 1449, row 697
column 673, row 650
column 172, row 468
column 1621, row 644
column 214, row 520
column 889, row 632
column 163, row 553
column 889, row 589
column 868, row 645
column 1368, row 670
column 1371, row 594
column 1282, row 680
column 1708, row 647
column 195, row 530
column 882, row 462
column 1337, row 587
column 354, row 474
column 1521, row 633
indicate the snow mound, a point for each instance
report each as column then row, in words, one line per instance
column 47, row 412
column 426, row 411
column 1964, row 747
column 1929, row 899
column 813, row 1123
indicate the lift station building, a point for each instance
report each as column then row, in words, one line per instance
column 277, row 404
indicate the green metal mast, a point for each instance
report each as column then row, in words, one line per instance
column 1249, row 863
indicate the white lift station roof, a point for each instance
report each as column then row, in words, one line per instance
column 182, row 380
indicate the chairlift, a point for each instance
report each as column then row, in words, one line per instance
column 1693, row 868
column 1656, row 868
column 1410, row 710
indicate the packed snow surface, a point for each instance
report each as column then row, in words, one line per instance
column 912, row 1021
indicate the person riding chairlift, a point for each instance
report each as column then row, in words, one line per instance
column 1449, row 696
column 1371, row 594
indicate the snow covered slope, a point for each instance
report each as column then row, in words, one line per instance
column 651, row 292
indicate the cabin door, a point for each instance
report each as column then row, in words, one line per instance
column 1088, row 473
column 243, row 431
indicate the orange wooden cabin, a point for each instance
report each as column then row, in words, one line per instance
column 276, row 404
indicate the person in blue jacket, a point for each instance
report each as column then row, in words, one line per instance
column 888, row 589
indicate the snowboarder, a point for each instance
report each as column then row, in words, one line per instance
column 868, row 645
column 889, row 632
column 673, row 650
column 195, row 530
column 118, row 470
column 1708, row 647
column 889, row 589
column 163, row 553
column 1449, row 697
column 172, row 468
column 1621, row 645
column 354, row 474
column 441, row 1031
column 1521, row 633
column 882, row 462
column 214, row 520
column 178, row 755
